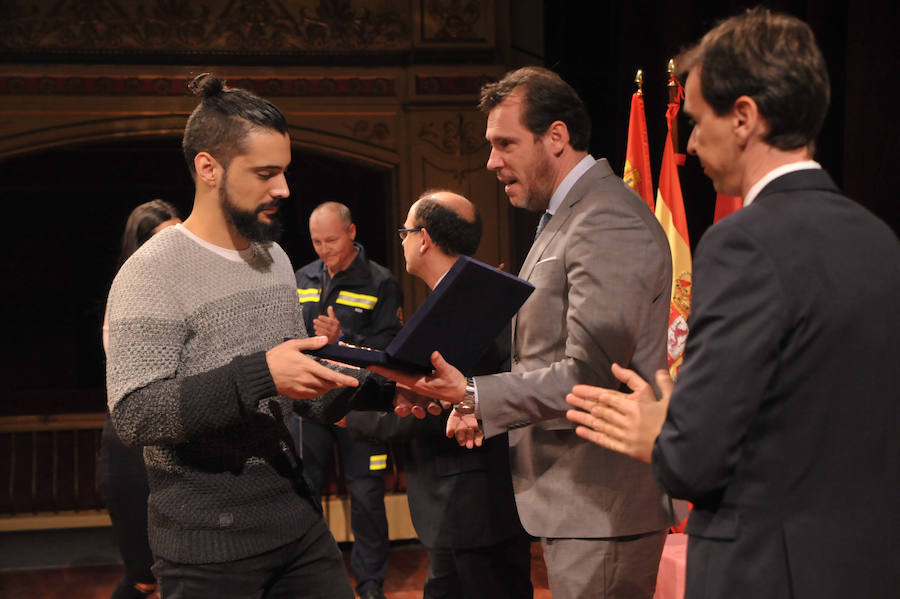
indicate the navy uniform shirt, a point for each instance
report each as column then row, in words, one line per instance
column 366, row 298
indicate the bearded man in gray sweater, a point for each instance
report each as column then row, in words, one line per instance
column 200, row 374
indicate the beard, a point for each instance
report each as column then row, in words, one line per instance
column 540, row 190
column 247, row 222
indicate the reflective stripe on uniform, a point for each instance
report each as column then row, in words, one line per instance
column 308, row 295
column 378, row 462
column 357, row 300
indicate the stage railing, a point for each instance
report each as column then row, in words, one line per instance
column 49, row 478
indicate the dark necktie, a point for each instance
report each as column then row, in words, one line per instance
column 545, row 218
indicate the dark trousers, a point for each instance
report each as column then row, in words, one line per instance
column 123, row 483
column 365, row 481
column 493, row 572
column 311, row 568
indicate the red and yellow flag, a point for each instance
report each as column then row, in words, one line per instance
column 670, row 213
column 725, row 205
column 637, row 152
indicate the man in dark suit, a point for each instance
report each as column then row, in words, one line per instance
column 602, row 274
column 461, row 500
column 782, row 427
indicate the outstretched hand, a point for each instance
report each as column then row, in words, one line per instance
column 298, row 376
column 446, row 383
column 624, row 422
column 407, row 402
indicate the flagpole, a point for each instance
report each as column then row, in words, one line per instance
column 673, row 98
column 639, row 80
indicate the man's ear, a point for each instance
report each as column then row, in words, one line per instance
column 351, row 230
column 557, row 137
column 427, row 241
column 207, row 168
column 747, row 122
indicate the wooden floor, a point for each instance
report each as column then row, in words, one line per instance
column 406, row 574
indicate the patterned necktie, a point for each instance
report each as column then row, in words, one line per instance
column 545, row 218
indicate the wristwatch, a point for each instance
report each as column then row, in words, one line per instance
column 467, row 405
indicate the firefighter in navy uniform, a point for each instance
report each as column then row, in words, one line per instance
column 349, row 298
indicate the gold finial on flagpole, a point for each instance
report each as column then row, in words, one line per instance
column 673, row 99
column 639, row 80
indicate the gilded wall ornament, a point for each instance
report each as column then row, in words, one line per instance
column 453, row 20
column 371, row 131
column 457, row 137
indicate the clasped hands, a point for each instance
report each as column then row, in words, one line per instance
column 420, row 395
column 329, row 326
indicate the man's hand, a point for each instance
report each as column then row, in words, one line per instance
column 406, row 402
column 328, row 325
column 464, row 427
column 446, row 384
column 624, row 422
column 298, row 376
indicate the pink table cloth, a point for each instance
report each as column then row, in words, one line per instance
column 670, row 580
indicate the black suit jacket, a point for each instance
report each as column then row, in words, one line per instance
column 783, row 427
column 458, row 498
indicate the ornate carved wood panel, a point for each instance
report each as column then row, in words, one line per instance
column 101, row 28
column 449, row 151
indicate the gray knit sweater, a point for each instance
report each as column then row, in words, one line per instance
column 187, row 378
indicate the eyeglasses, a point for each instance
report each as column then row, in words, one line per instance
column 404, row 232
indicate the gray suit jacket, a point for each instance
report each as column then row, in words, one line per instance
column 602, row 273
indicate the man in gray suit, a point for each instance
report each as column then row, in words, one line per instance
column 602, row 274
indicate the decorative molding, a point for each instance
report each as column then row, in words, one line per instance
column 233, row 27
column 177, row 86
column 378, row 132
column 456, row 20
column 455, row 137
column 459, row 174
column 451, row 84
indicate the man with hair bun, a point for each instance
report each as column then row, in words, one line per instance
column 200, row 375
column 782, row 425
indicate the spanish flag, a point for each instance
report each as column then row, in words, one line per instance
column 670, row 214
column 725, row 205
column 637, row 152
